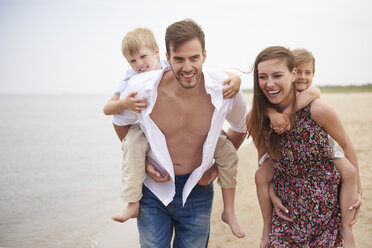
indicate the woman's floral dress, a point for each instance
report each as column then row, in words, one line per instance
column 307, row 182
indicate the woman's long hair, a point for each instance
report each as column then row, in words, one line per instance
column 258, row 124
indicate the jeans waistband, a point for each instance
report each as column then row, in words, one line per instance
column 181, row 178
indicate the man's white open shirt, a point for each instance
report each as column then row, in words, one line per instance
column 233, row 110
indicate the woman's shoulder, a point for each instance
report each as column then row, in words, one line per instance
column 319, row 107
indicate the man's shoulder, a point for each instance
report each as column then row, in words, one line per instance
column 215, row 75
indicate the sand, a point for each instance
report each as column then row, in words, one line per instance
column 354, row 109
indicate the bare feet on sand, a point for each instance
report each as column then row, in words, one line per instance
column 231, row 220
column 131, row 211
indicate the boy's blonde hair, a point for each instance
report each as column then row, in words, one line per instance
column 302, row 55
column 136, row 39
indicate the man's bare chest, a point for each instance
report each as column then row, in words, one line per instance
column 174, row 116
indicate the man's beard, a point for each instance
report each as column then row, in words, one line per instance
column 186, row 86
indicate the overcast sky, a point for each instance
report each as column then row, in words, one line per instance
column 73, row 46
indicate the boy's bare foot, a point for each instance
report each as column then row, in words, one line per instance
column 131, row 211
column 231, row 220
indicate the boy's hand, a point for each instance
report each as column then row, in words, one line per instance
column 233, row 87
column 134, row 104
column 279, row 122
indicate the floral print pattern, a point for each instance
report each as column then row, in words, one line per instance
column 307, row 182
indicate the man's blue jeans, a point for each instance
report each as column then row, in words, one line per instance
column 191, row 223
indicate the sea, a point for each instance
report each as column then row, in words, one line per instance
column 60, row 171
column 60, row 179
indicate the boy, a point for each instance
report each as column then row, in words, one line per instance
column 140, row 49
column 305, row 64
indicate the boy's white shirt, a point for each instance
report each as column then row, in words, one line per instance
column 131, row 73
column 234, row 110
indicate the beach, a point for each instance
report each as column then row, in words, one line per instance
column 353, row 110
column 355, row 113
column 61, row 179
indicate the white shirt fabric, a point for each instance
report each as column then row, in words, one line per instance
column 129, row 74
column 233, row 110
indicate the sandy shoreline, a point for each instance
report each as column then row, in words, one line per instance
column 118, row 235
column 353, row 109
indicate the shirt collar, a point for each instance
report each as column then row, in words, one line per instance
column 151, row 91
column 152, row 86
column 212, row 88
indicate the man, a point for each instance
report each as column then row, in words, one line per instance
column 182, row 123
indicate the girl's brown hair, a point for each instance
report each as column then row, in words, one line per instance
column 302, row 55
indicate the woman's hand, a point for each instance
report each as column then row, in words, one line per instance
column 279, row 208
column 356, row 206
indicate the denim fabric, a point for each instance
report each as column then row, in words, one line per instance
column 191, row 223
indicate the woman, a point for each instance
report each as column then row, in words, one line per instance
column 305, row 179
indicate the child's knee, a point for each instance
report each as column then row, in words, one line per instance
column 257, row 178
column 349, row 174
column 137, row 142
column 234, row 158
column 225, row 154
column 264, row 173
column 262, row 177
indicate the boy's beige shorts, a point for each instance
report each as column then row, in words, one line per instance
column 135, row 146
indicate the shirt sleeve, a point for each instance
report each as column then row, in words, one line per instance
column 143, row 84
column 125, row 118
column 237, row 115
column 123, row 84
